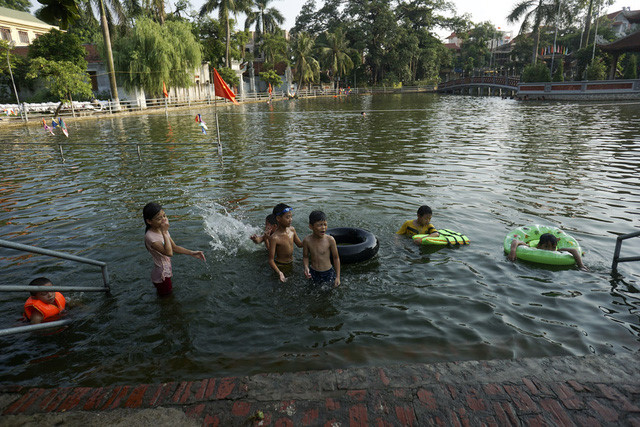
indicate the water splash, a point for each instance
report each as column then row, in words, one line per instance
column 229, row 235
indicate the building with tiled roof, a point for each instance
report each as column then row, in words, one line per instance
column 622, row 21
column 21, row 28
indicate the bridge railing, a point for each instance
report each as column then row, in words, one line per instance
column 491, row 80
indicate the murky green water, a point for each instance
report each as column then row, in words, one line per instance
column 484, row 165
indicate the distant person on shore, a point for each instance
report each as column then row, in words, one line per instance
column 43, row 306
column 420, row 225
column 161, row 246
column 270, row 225
column 318, row 249
column 282, row 240
column 548, row 242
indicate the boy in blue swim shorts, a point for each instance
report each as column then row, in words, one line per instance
column 318, row 249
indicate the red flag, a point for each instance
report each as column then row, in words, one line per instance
column 270, row 89
column 221, row 88
column 164, row 90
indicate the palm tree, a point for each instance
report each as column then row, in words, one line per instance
column 335, row 52
column 224, row 8
column 534, row 13
column 305, row 65
column 265, row 18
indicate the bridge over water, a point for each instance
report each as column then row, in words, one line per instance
column 495, row 85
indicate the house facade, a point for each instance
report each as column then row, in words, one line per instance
column 21, row 28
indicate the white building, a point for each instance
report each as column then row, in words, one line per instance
column 21, row 28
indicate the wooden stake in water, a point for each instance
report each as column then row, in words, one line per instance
column 61, row 155
column 139, row 157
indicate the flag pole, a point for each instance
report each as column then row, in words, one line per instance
column 215, row 103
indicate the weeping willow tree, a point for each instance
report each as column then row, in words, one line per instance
column 154, row 53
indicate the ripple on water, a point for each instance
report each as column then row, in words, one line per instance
column 484, row 165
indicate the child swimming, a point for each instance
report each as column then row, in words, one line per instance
column 42, row 305
column 548, row 242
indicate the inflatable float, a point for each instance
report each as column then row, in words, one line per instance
column 446, row 237
column 530, row 234
column 354, row 244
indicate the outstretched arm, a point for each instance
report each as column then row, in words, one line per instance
column 180, row 250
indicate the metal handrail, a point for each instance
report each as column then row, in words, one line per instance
column 35, row 327
column 616, row 252
column 33, row 249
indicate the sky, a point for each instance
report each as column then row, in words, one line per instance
column 494, row 11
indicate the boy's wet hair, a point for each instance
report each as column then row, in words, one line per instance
column 424, row 210
column 271, row 219
column 280, row 209
column 316, row 216
column 548, row 238
column 149, row 211
column 40, row 281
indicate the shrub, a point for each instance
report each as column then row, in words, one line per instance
column 597, row 70
column 538, row 72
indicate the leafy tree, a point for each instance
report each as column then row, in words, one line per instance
column 375, row 27
column 477, row 44
column 21, row 5
column 210, row 33
column 155, row 53
column 271, row 77
column 59, row 12
column 558, row 76
column 630, row 64
column 229, row 76
column 240, row 40
column 538, row 72
column 58, row 46
column 306, row 67
column 64, row 79
column 335, row 54
column 225, row 8
column 274, row 47
column 597, row 70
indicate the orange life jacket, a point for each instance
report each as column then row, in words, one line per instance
column 47, row 310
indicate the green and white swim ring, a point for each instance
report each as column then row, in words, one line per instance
column 530, row 234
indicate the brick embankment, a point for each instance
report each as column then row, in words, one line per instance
column 581, row 391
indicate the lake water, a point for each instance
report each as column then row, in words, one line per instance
column 485, row 166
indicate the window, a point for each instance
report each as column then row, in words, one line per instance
column 6, row 34
column 24, row 37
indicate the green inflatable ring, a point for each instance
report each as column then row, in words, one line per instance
column 530, row 234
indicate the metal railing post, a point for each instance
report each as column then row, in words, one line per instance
column 34, row 327
column 56, row 254
column 616, row 252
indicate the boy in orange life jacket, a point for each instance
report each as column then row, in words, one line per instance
column 41, row 305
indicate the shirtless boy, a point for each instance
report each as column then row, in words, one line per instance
column 320, row 248
column 281, row 241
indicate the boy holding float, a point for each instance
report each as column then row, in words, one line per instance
column 420, row 225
